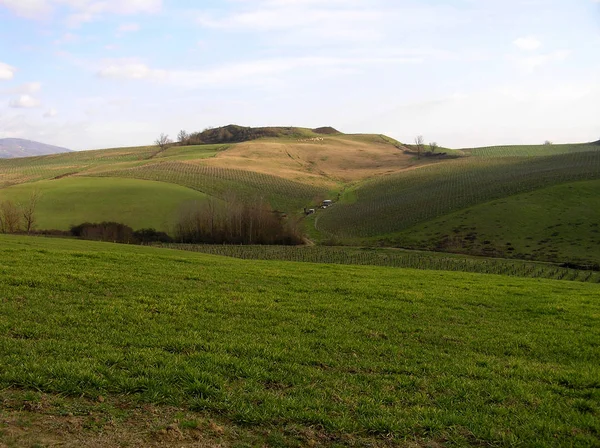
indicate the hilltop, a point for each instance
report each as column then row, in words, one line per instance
column 236, row 134
column 17, row 147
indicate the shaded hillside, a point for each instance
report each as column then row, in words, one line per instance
column 237, row 134
column 17, row 147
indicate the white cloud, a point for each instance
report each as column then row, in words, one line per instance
column 7, row 72
column 81, row 10
column 305, row 22
column 527, row 43
column 24, row 102
column 129, row 28
column 131, row 70
column 532, row 63
column 50, row 113
column 27, row 88
column 28, row 8
column 251, row 72
column 66, row 38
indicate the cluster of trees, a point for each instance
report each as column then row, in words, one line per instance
column 214, row 222
column 419, row 146
column 18, row 218
column 232, row 134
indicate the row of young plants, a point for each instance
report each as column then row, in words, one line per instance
column 33, row 169
column 283, row 194
column 530, row 150
column 396, row 202
column 394, row 258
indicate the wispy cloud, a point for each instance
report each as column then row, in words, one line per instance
column 131, row 70
column 129, row 28
column 50, row 113
column 527, row 43
column 532, row 63
column 81, row 11
column 25, row 89
column 251, row 72
column 24, row 102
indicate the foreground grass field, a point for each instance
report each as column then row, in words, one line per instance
column 359, row 355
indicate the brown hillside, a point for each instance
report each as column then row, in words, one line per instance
column 324, row 160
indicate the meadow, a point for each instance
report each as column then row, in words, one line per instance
column 283, row 194
column 299, row 353
column 74, row 200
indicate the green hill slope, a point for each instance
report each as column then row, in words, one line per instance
column 396, row 202
column 559, row 223
column 283, row 194
column 72, row 201
column 299, row 354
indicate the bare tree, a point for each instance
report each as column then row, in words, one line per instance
column 10, row 217
column 28, row 211
column 182, row 137
column 419, row 145
column 433, row 146
column 163, row 142
column 547, row 142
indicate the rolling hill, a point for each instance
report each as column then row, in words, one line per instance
column 384, row 194
column 122, row 345
column 16, row 147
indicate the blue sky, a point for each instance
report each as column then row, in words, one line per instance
column 103, row 73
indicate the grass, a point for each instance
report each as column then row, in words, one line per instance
column 394, row 258
column 358, row 353
column 559, row 223
column 74, row 200
column 283, row 194
column 394, row 203
column 193, row 152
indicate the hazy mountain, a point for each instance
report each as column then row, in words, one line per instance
column 17, row 147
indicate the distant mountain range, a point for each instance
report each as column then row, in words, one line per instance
column 17, row 147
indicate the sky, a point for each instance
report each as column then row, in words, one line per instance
column 88, row 74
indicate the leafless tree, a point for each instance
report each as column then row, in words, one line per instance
column 10, row 217
column 433, row 146
column 163, row 142
column 182, row 137
column 547, row 142
column 419, row 145
column 28, row 211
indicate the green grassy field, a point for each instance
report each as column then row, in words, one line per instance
column 283, row 194
column 530, row 150
column 354, row 353
column 559, row 223
column 74, row 200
